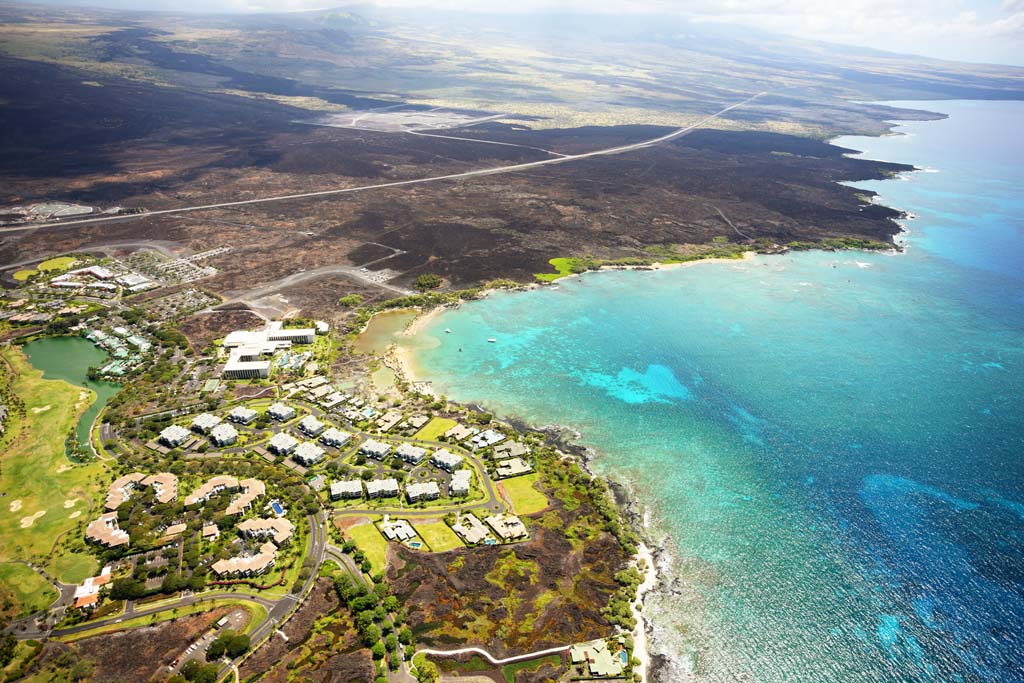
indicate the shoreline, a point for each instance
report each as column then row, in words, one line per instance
column 401, row 360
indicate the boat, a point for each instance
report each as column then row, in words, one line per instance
column 492, row 340
column 447, row 330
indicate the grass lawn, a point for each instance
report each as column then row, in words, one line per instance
column 562, row 265
column 59, row 263
column 439, row 536
column 74, row 567
column 43, row 494
column 31, row 591
column 509, row 671
column 368, row 539
column 526, row 499
column 435, row 428
column 22, row 275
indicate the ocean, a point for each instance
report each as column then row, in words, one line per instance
column 829, row 446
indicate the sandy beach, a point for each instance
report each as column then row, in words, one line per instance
column 640, row 645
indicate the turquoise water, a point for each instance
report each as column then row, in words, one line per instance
column 832, row 442
column 69, row 359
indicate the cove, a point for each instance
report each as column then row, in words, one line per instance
column 69, row 359
column 829, row 444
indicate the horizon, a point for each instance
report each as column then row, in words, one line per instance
column 977, row 31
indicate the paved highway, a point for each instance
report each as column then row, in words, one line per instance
column 512, row 168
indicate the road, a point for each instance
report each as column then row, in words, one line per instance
column 351, row 272
column 511, row 168
column 487, row 655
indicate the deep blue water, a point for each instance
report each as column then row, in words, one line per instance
column 832, row 444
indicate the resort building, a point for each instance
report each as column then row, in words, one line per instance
column 311, row 426
column 426, row 490
column 487, row 438
column 598, row 659
column 397, row 530
column 335, row 437
column 210, row 532
column 278, row 529
column 252, row 489
column 461, row 483
column 375, row 449
column 417, row 421
column 512, row 467
column 446, row 460
column 308, row 454
column 174, row 436
column 382, row 488
column 321, row 327
column 105, row 531
column 204, row 423
column 511, row 449
column 282, row 443
column 122, row 488
column 471, row 529
column 282, row 412
column 253, row 565
column 508, row 527
column 87, row 595
column 212, row 487
column 347, row 490
column 332, row 400
column 242, row 415
column 165, row 485
column 173, row 531
column 388, row 420
column 223, row 435
column 459, row 433
column 413, row 455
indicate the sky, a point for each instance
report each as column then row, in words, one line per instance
column 969, row 30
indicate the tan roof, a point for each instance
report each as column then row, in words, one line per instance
column 256, row 564
column 105, row 531
column 166, row 485
column 278, row 528
column 121, row 490
column 251, row 490
column 210, row 531
column 220, row 482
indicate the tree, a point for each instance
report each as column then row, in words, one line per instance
column 427, row 281
column 405, row 635
column 391, row 642
column 237, row 646
column 427, row 672
column 8, row 643
column 378, row 650
column 350, row 301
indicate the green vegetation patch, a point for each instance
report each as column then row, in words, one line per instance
column 509, row 671
column 368, row 539
column 564, row 267
column 57, row 264
column 526, row 499
column 74, row 567
column 28, row 589
column 23, row 275
column 439, row 536
column 435, row 428
column 44, row 494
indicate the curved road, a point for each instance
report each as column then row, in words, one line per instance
column 513, row 168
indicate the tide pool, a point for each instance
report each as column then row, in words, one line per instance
column 831, row 444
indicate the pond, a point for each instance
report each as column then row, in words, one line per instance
column 69, row 359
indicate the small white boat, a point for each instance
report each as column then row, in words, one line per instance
column 492, row 340
column 447, row 330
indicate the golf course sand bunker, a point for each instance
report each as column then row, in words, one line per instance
column 70, row 502
column 26, row 522
column 15, row 505
column 41, row 409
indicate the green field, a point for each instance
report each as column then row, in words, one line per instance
column 526, row 499
column 257, row 613
column 74, row 567
column 435, row 428
column 31, row 591
column 369, row 540
column 59, row 263
column 44, row 495
column 438, row 536
column 22, row 275
column 562, row 265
